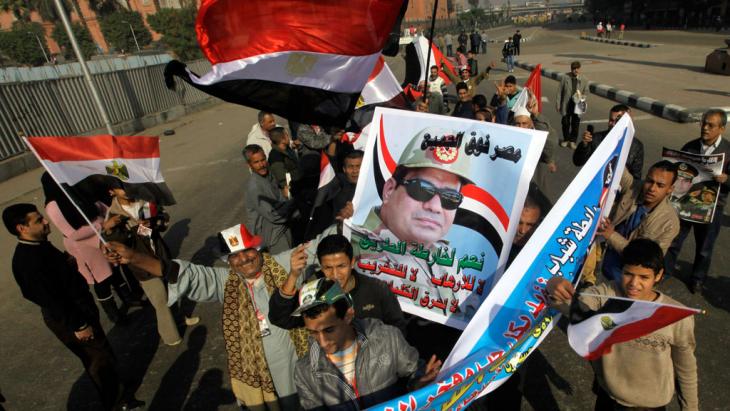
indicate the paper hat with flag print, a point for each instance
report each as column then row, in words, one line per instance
column 320, row 292
column 237, row 238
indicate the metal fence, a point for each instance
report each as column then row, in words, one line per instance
column 64, row 106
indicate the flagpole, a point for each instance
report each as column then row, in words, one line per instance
column 76, row 206
column 84, row 68
column 430, row 45
column 698, row 310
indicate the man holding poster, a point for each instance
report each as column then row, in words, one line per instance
column 433, row 224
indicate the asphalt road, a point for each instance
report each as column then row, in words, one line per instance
column 203, row 166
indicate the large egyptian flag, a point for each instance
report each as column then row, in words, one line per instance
column 592, row 333
column 381, row 90
column 86, row 165
column 304, row 60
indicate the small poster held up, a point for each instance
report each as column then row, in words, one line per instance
column 695, row 191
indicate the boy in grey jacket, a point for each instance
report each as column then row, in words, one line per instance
column 352, row 363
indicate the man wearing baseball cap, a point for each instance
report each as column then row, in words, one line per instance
column 261, row 356
column 352, row 363
column 420, row 201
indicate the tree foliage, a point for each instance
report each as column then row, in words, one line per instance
column 177, row 29
column 20, row 44
column 115, row 28
column 83, row 38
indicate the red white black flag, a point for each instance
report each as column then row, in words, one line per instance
column 381, row 90
column 592, row 333
column 91, row 163
column 304, row 60
column 326, row 177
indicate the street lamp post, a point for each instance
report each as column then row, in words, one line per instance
column 41, row 46
column 133, row 35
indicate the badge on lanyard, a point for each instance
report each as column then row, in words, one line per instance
column 263, row 324
column 144, row 231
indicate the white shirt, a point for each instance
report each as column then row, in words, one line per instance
column 706, row 150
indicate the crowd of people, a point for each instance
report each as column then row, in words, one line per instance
column 303, row 329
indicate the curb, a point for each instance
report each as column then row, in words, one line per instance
column 618, row 42
column 658, row 108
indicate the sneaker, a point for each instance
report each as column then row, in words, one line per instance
column 563, row 144
column 192, row 320
column 573, row 145
column 174, row 343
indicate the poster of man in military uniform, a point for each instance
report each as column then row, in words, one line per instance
column 695, row 191
column 436, row 207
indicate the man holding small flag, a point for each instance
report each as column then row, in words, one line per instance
column 639, row 340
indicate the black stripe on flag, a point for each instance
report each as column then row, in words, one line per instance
column 308, row 105
column 95, row 186
column 474, row 221
column 578, row 314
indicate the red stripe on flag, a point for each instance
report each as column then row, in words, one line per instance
column 534, row 84
column 101, row 147
column 480, row 195
column 324, row 162
column 440, row 59
column 230, row 30
column 662, row 317
column 389, row 162
column 378, row 67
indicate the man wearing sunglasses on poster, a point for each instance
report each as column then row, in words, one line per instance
column 402, row 237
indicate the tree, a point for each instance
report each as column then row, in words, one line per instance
column 83, row 38
column 176, row 27
column 21, row 45
column 20, row 8
column 118, row 34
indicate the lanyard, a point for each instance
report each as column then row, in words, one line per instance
column 259, row 316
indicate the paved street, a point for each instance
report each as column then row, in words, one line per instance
column 203, row 166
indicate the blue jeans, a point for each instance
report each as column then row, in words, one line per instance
column 510, row 60
column 705, row 237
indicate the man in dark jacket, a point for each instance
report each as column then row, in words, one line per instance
column 352, row 363
column 282, row 158
column 591, row 140
column 371, row 297
column 49, row 278
column 710, row 142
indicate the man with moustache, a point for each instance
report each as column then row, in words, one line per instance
column 268, row 212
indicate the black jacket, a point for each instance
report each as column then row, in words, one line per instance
column 371, row 298
column 49, row 278
column 634, row 162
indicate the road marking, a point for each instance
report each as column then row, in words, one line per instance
column 196, row 165
column 633, row 118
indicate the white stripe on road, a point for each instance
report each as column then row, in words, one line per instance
column 196, row 165
column 634, row 118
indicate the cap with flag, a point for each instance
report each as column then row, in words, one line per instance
column 304, row 60
column 320, row 292
column 592, row 333
column 87, row 163
column 237, row 238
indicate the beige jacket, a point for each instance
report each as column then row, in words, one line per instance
column 660, row 225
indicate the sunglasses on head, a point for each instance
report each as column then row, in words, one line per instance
column 422, row 190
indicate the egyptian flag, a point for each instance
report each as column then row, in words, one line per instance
column 533, row 83
column 592, row 333
column 480, row 211
column 381, row 90
column 416, row 66
column 88, row 165
column 304, row 60
column 326, row 180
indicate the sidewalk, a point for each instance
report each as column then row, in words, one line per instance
column 671, row 75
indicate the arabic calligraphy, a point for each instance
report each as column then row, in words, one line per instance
column 448, row 140
column 580, row 231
